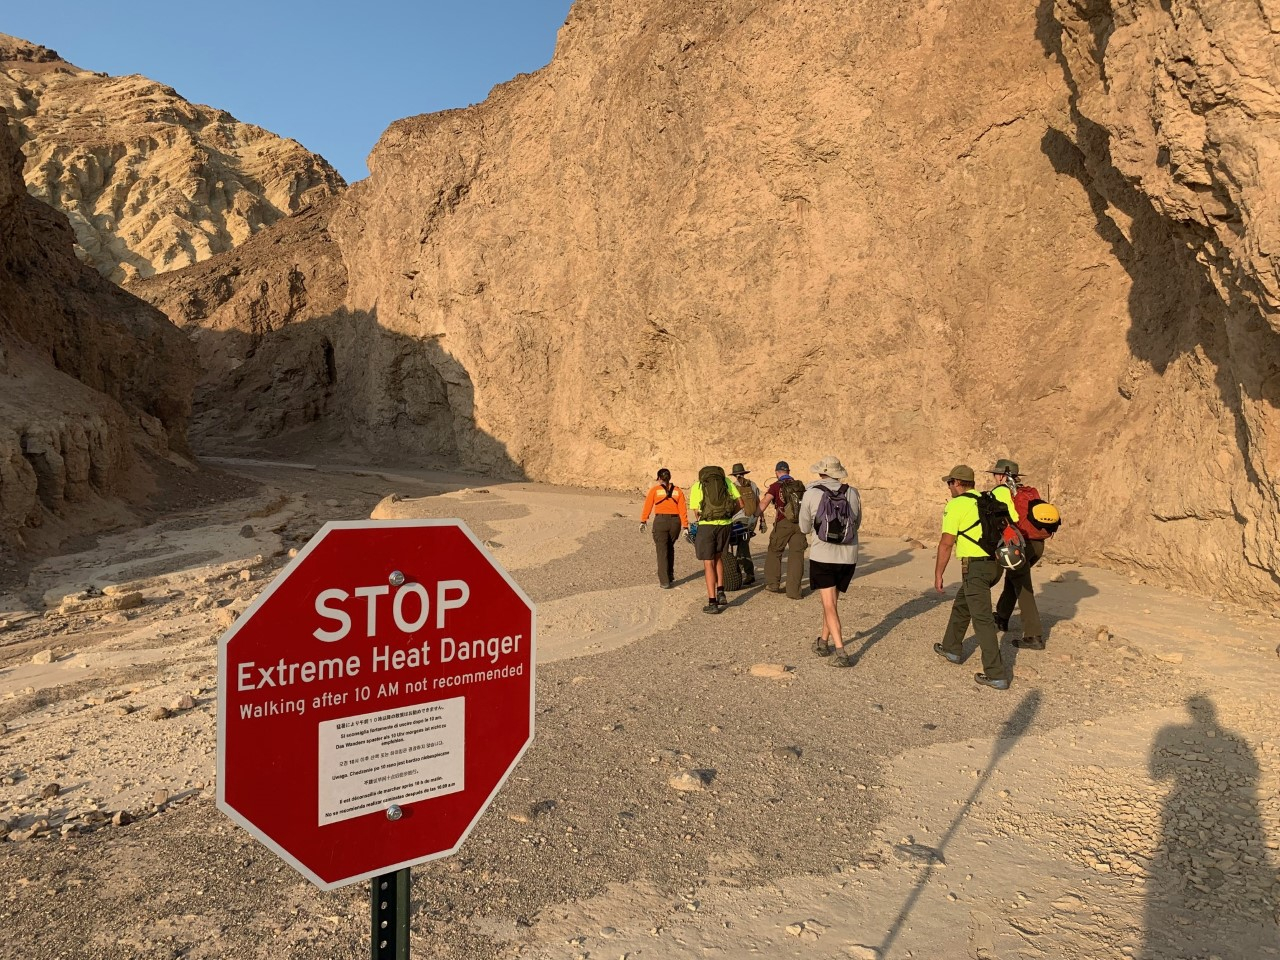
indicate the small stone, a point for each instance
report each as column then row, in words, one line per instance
column 1128, row 652
column 121, row 818
column 293, row 552
column 687, row 781
column 860, row 951
column 332, row 503
column 247, row 531
column 159, row 713
column 246, row 576
column 787, row 753
column 45, row 656
column 185, row 702
column 123, row 710
column 1104, row 635
column 51, row 791
column 1169, row 657
column 160, row 797
column 769, row 671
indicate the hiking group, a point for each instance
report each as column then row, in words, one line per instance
column 998, row 533
column 726, row 509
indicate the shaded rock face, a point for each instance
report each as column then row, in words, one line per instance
column 1173, row 114
column 94, row 383
column 149, row 181
column 711, row 232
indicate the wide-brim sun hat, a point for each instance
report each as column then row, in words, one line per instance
column 830, row 467
column 1007, row 467
column 960, row 472
column 739, row 470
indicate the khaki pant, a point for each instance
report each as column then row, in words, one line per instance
column 1018, row 588
column 973, row 601
column 786, row 536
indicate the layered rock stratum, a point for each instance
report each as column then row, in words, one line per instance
column 911, row 235
column 95, row 384
column 149, row 181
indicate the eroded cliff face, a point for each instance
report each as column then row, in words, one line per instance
column 710, row 232
column 149, row 181
column 1174, row 110
column 94, row 383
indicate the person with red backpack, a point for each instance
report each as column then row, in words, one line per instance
column 1017, row 583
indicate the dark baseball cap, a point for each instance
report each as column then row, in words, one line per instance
column 783, row 465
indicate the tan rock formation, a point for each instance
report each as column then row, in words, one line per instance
column 94, row 383
column 149, row 181
column 265, row 289
column 1174, row 111
column 710, row 232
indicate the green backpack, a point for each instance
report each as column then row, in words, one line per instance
column 716, row 502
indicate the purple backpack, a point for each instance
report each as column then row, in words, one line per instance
column 833, row 520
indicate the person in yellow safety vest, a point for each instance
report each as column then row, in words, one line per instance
column 979, row 573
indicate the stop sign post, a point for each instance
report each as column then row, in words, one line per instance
column 374, row 698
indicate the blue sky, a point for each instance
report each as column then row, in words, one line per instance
column 331, row 75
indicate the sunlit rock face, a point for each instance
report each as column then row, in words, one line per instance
column 911, row 235
column 148, row 181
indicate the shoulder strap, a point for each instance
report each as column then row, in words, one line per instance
column 977, row 523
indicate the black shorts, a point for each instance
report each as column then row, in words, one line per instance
column 711, row 540
column 838, row 575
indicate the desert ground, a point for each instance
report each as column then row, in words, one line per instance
column 1120, row 800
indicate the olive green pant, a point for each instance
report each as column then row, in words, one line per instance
column 1018, row 588
column 785, row 536
column 973, row 602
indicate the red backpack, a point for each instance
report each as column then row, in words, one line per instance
column 1022, row 501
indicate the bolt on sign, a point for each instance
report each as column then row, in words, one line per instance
column 374, row 698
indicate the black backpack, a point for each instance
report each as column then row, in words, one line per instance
column 998, row 537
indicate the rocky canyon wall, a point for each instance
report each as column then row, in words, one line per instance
column 94, row 383
column 149, row 181
column 900, row 233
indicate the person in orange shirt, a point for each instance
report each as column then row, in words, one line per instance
column 666, row 502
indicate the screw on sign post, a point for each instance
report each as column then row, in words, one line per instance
column 371, row 702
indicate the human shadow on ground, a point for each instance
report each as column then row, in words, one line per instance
column 877, row 564
column 904, row 611
column 1056, row 601
column 1212, row 887
column 1011, row 731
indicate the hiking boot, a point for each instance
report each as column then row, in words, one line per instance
column 1002, row 624
column 721, row 598
column 843, row 659
column 1029, row 643
column 822, row 647
column 950, row 657
column 711, row 607
column 992, row 682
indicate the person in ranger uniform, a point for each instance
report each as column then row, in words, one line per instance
column 979, row 572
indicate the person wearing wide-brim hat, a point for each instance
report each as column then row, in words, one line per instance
column 749, row 492
column 831, row 563
column 961, row 531
column 1018, row 587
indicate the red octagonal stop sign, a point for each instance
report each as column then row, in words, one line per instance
column 374, row 697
